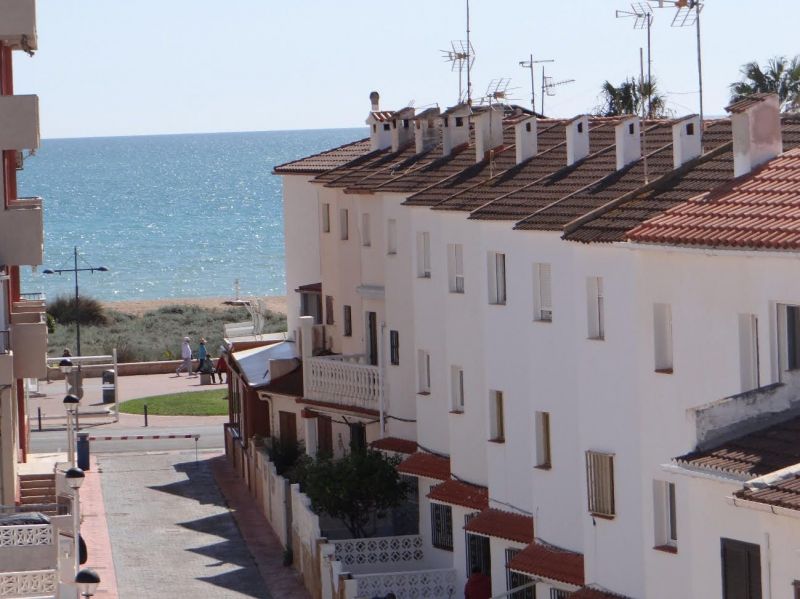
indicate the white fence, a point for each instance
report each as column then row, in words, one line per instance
column 369, row 556
column 345, row 380
column 26, row 535
column 420, row 584
column 34, row 583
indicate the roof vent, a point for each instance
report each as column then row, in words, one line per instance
column 628, row 141
column 756, row 123
column 525, row 140
column 686, row 140
column 577, row 139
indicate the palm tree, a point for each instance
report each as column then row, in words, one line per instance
column 632, row 97
column 780, row 75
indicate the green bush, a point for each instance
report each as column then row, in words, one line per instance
column 51, row 324
column 85, row 310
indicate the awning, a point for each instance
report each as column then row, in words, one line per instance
column 255, row 364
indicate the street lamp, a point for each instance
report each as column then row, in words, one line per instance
column 71, row 406
column 87, row 581
column 75, row 478
column 75, row 270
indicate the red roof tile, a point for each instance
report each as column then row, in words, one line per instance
column 456, row 492
column 395, row 444
column 784, row 493
column 760, row 210
column 550, row 562
column 427, row 465
column 502, row 525
column 747, row 102
column 594, row 593
column 323, row 161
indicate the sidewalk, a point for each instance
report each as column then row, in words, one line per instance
column 94, row 529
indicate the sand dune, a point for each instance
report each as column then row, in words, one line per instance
column 138, row 307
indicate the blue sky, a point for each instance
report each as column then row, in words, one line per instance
column 123, row 67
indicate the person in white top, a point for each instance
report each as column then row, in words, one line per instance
column 186, row 355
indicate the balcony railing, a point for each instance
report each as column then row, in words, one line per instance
column 26, row 535
column 347, row 380
column 22, row 233
column 32, row 583
column 18, row 23
column 19, row 122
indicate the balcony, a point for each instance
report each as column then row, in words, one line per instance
column 19, row 122
column 18, row 24
column 29, row 340
column 349, row 381
column 22, row 232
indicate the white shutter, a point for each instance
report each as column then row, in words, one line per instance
column 545, row 293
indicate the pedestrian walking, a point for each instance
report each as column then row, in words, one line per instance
column 222, row 365
column 186, row 356
column 202, row 353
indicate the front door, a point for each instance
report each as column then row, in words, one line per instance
column 741, row 570
column 288, row 425
column 372, row 337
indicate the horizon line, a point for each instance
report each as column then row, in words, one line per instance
column 198, row 133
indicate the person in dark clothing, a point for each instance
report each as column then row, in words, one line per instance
column 479, row 586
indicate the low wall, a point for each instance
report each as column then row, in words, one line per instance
column 124, row 369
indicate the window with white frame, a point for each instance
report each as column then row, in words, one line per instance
column 326, row 218
column 664, row 514
column 366, row 239
column 455, row 267
column 543, row 453
column 662, row 337
column 457, row 388
column 497, row 425
column 391, row 236
column 542, row 293
column 497, row 278
column 424, row 371
column 600, row 483
column 595, row 307
column 424, row 255
column 344, row 225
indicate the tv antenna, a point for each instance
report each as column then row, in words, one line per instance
column 548, row 86
column 530, row 64
column 498, row 90
column 688, row 15
column 461, row 55
column 642, row 16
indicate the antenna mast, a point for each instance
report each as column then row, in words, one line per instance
column 548, row 86
column 469, row 62
column 643, row 19
column 529, row 64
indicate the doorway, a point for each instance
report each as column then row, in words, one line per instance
column 372, row 338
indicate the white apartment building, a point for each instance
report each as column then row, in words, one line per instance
column 586, row 328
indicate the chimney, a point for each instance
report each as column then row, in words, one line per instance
column 401, row 128
column 488, row 130
column 756, row 124
column 628, row 141
column 577, row 139
column 686, row 140
column 525, row 140
column 375, row 100
column 455, row 127
column 425, row 129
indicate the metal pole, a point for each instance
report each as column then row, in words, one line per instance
column 77, row 311
column 469, row 63
column 116, row 386
column 700, row 70
column 543, row 88
column 642, row 125
column 39, row 412
column 76, row 522
column 70, row 453
column 533, row 89
column 649, row 66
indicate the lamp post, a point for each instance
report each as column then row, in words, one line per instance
column 75, row 478
column 75, row 270
column 87, row 580
column 71, row 406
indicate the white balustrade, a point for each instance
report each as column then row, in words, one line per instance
column 26, row 535
column 345, row 380
column 34, row 583
column 421, row 584
column 379, row 550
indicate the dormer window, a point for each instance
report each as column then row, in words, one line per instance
column 528, row 127
column 405, row 123
column 630, row 129
column 580, row 127
column 446, row 121
column 459, row 121
column 690, row 129
column 386, row 127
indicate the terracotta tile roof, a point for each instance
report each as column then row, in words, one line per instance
column 549, row 562
column 784, row 493
column 502, row 525
column 747, row 102
column 594, row 593
column 329, row 405
column 383, row 115
column 427, row 465
column 395, row 444
column 751, row 455
column 310, row 288
column 323, row 161
column 456, row 492
column 759, row 210
column 355, row 169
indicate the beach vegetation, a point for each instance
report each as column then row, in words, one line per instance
column 191, row 403
column 85, row 310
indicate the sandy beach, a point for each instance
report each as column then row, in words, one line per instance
column 138, row 307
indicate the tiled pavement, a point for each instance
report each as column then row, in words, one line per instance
column 94, row 530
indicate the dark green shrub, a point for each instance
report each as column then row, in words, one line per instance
column 51, row 324
column 86, row 310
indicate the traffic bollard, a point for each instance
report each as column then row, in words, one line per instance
column 39, row 414
column 145, row 415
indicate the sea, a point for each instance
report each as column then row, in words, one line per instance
column 168, row 215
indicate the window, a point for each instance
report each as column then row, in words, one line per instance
column 455, row 267
column 595, row 308
column 662, row 337
column 424, row 368
column 442, row 526
column 543, row 458
column 348, row 321
column 600, row 483
column 324, row 436
column 496, row 417
column 796, row 587
column 515, row 579
column 666, row 524
column 424, row 255
column 580, row 127
column 344, row 226
column 358, row 437
column 459, row 121
column 387, row 127
column 741, row 570
column 528, row 127
column 479, row 550
column 391, row 236
column 542, row 294
column 326, row 218
column 394, row 348
column 497, row 278
column 287, row 421
column 328, row 309
column 631, row 129
column 690, row 129
column 366, row 240
column 457, row 388
column 311, row 305
column 559, row 594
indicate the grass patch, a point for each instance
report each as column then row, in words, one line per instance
column 155, row 335
column 192, row 403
